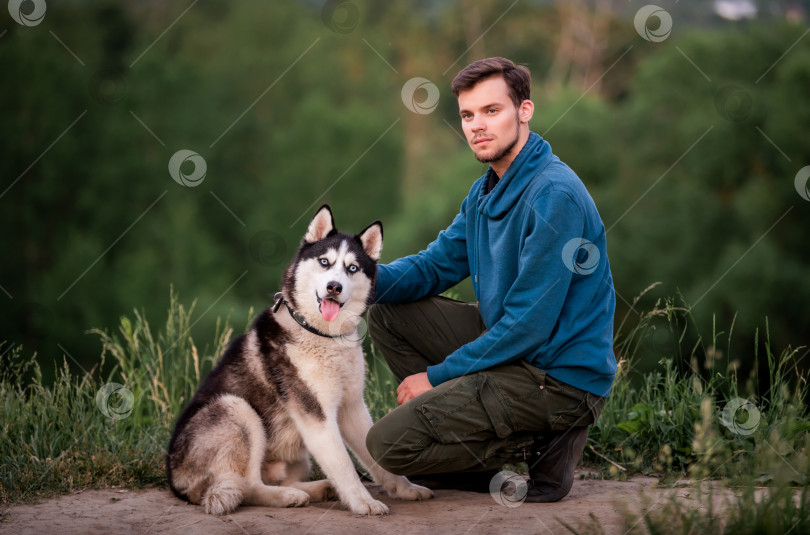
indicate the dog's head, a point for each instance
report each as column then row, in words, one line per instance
column 331, row 281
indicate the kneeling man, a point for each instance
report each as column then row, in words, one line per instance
column 522, row 373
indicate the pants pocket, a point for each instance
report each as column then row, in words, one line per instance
column 515, row 398
column 453, row 411
column 495, row 406
column 586, row 413
column 570, row 406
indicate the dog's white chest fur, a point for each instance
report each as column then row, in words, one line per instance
column 332, row 370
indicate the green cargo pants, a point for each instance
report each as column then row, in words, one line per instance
column 471, row 423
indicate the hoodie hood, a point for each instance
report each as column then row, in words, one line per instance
column 532, row 159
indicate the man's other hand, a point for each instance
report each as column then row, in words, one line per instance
column 412, row 386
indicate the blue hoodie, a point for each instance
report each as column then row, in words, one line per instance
column 535, row 248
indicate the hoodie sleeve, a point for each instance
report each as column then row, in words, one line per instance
column 534, row 301
column 440, row 266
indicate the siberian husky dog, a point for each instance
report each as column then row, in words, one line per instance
column 292, row 386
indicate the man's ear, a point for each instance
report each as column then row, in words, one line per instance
column 372, row 240
column 526, row 111
column 321, row 225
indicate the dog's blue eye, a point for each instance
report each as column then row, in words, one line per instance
column 324, row 262
column 352, row 268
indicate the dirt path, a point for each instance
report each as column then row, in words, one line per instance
column 156, row 511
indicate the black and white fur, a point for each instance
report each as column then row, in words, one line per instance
column 281, row 393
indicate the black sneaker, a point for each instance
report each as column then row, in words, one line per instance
column 551, row 465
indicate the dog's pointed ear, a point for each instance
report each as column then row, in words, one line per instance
column 321, row 225
column 372, row 240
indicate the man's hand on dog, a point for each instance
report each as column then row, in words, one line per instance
column 412, row 386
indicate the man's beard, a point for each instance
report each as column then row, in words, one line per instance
column 504, row 151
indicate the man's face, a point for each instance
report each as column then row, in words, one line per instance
column 489, row 119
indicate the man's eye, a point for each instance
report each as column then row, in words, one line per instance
column 352, row 269
column 324, row 262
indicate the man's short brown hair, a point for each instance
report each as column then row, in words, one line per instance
column 517, row 77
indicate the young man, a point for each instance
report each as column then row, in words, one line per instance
column 521, row 374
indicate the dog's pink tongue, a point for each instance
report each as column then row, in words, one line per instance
column 329, row 309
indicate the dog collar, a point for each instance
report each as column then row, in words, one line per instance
column 299, row 319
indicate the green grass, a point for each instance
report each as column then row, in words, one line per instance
column 381, row 386
column 668, row 422
column 751, row 511
column 55, row 438
column 679, row 423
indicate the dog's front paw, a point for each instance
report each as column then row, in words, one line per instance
column 369, row 506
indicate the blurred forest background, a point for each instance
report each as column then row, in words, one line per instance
column 690, row 140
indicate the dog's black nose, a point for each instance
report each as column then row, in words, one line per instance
column 334, row 288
